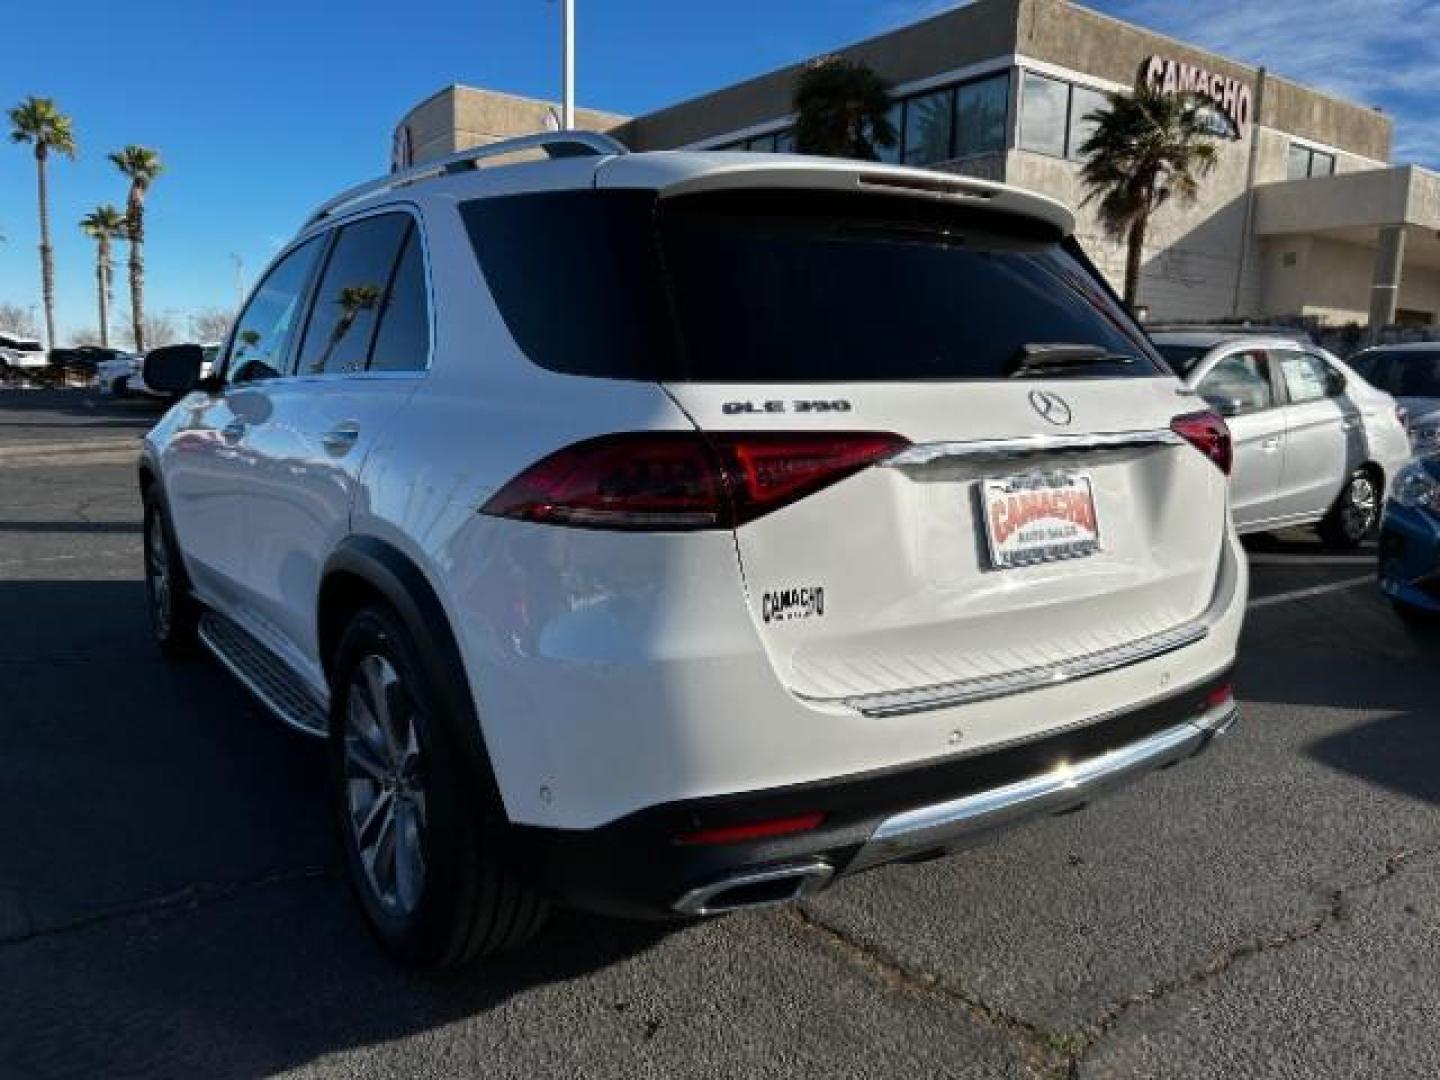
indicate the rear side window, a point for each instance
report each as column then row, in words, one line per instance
column 403, row 341
column 1404, row 374
column 788, row 286
column 1307, row 377
column 351, row 293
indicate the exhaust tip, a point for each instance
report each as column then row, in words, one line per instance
column 756, row 889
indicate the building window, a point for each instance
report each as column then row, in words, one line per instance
column 938, row 125
column 1083, row 102
column 1044, row 115
column 929, row 128
column 1053, row 116
column 980, row 116
column 1304, row 162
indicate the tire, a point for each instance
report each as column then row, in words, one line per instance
column 174, row 613
column 1352, row 520
column 422, row 837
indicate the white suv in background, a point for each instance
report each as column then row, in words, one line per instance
column 669, row 534
column 22, row 354
column 1315, row 444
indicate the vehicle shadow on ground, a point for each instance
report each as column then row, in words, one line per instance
column 1388, row 668
column 171, row 901
column 21, row 409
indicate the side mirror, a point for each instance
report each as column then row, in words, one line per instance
column 173, row 369
column 1334, row 382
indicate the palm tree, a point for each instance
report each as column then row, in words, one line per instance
column 37, row 121
column 104, row 224
column 141, row 166
column 353, row 300
column 1146, row 148
column 842, row 110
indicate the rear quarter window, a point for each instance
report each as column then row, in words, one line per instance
column 788, row 286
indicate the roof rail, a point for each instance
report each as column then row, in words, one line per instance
column 557, row 144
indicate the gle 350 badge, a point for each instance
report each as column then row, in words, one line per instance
column 785, row 605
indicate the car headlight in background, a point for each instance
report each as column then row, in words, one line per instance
column 1425, row 436
column 1415, row 486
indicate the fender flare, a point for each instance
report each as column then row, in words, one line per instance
column 405, row 589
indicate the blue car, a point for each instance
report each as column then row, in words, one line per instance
column 1410, row 541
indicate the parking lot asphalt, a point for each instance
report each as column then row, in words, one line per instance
column 171, row 903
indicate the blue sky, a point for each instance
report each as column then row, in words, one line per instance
column 262, row 109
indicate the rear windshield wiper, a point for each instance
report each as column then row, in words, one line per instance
column 1058, row 356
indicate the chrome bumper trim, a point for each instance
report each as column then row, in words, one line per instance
column 1040, row 677
column 964, row 821
column 988, row 687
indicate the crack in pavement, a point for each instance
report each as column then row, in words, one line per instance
column 1334, row 914
column 190, row 897
column 1061, row 1053
column 1044, row 1051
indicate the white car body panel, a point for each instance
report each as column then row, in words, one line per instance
column 1292, row 460
column 614, row 671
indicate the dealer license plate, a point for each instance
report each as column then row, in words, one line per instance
column 1040, row 518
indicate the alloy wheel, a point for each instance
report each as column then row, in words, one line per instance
column 1361, row 507
column 384, row 788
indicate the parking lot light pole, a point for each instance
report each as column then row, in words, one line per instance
column 567, row 103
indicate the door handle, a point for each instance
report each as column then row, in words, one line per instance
column 234, row 431
column 1349, row 424
column 1270, row 445
column 339, row 439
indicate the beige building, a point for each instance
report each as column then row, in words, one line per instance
column 1304, row 215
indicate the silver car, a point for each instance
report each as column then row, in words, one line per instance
column 1411, row 374
column 1315, row 444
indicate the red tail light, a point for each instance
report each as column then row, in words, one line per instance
column 684, row 480
column 758, row 830
column 1206, row 431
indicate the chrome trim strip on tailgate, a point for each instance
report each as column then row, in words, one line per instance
column 1039, row 677
column 965, row 820
column 1032, row 446
column 988, row 687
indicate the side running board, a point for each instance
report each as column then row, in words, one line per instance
column 263, row 673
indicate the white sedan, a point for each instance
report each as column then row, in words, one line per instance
column 1315, row 444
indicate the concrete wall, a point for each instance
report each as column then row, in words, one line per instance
column 459, row 117
column 1330, row 279
column 1193, row 255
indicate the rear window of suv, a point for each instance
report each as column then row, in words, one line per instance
column 788, row 286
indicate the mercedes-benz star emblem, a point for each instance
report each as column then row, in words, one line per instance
column 1052, row 407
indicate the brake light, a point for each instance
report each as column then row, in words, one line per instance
column 758, row 830
column 681, row 481
column 1206, row 431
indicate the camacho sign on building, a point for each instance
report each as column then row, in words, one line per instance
column 1232, row 97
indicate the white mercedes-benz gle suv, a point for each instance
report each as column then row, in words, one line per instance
column 667, row 534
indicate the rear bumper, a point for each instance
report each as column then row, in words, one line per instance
column 639, row 867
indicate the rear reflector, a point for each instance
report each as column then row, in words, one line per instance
column 1206, row 431
column 759, row 830
column 684, row 480
column 1221, row 695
